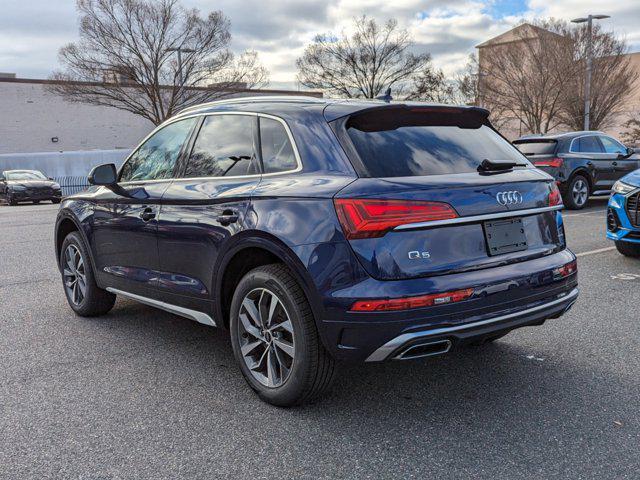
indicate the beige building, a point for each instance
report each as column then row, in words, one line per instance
column 36, row 120
column 526, row 32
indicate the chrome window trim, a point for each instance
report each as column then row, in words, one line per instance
column 383, row 352
column 479, row 218
column 206, row 114
column 199, row 317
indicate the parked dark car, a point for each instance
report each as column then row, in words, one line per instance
column 583, row 163
column 28, row 186
column 318, row 230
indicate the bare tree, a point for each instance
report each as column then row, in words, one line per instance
column 524, row 79
column 151, row 58
column 431, row 85
column 612, row 79
column 631, row 133
column 467, row 82
column 361, row 64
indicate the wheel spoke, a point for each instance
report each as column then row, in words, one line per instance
column 251, row 309
column 272, row 308
column 286, row 347
column 250, row 328
column 271, row 367
column 286, row 325
column 250, row 347
column 256, row 364
column 284, row 370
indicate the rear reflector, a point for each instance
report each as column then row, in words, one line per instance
column 565, row 270
column 368, row 218
column 554, row 195
column 407, row 303
column 554, row 162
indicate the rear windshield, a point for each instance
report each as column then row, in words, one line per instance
column 398, row 144
column 25, row 175
column 537, row 148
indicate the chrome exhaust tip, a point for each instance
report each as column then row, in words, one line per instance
column 424, row 349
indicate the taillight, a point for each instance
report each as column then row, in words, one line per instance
column 407, row 303
column 566, row 270
column 554, row 196
column 554, row 162
column 367, row 218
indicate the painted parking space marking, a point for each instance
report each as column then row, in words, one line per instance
column 594, row 252
column 626, row 276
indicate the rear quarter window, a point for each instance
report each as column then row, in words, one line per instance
column 404, row 144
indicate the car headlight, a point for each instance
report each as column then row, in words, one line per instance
column 622, row 188
column 18, row 188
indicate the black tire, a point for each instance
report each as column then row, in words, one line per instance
column 55, row 200
column 36, row 202
column 488, row 340
column 11, row 201
column 95, row 301
column 576, row 195
column 312, row 368
column 628, row 249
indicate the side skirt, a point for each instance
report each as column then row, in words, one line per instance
column 199, row 317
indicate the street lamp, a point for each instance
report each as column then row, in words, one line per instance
column 180, row 79
column 587, row 82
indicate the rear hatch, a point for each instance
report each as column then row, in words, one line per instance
column 421, row 206
column 541, row 152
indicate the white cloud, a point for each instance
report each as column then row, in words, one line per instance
column 33, row 31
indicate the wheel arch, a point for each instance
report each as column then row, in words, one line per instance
column 65, row 224
column 251, row 250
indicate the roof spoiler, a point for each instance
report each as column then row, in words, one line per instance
column 388, row 117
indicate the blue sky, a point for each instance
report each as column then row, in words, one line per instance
column 31, row 32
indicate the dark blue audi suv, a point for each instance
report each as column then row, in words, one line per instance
column 320, row 231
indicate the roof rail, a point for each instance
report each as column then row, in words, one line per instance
column 256, row 98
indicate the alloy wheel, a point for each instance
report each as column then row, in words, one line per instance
column 580, row 192
column 266, row 336
column 74, row 274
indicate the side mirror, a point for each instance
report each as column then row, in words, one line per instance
column 103, row 175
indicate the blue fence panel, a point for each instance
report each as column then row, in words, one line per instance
column 71, row 185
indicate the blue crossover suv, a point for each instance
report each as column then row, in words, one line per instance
column 319, row 231
column 623, row 215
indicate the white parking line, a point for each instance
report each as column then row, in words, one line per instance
column 593, row 252
column 597, row 212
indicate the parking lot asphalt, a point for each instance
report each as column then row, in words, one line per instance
column 141, row 393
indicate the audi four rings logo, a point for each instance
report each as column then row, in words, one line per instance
column 512, row 197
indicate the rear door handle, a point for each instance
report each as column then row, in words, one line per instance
column 147, row 214
column 227, row 218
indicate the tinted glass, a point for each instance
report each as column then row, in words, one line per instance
column 224, row 147
column 406, row 150
column 612, row 146
column 277, row 151
column 156, row 158
column 588, row 144
column 536, row 148
column 25, row 175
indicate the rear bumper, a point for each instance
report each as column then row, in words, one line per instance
column 505, row 297
column 473, row 331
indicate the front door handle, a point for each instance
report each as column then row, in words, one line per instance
column 147, row 214
column 227, row 218
column 615, row 164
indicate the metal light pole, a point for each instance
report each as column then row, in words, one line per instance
column 587, row 81
column 180, row 79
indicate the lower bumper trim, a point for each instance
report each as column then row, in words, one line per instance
column 386, row 350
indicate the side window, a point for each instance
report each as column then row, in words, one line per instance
column 277, row 151
column 612, row 146
column 224, row 147
column 156, row 157
column 589, row 144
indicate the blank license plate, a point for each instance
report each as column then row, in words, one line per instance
column 505, row 236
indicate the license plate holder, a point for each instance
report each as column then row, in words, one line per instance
column 505, row 236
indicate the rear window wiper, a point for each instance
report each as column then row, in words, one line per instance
column 497, row 166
